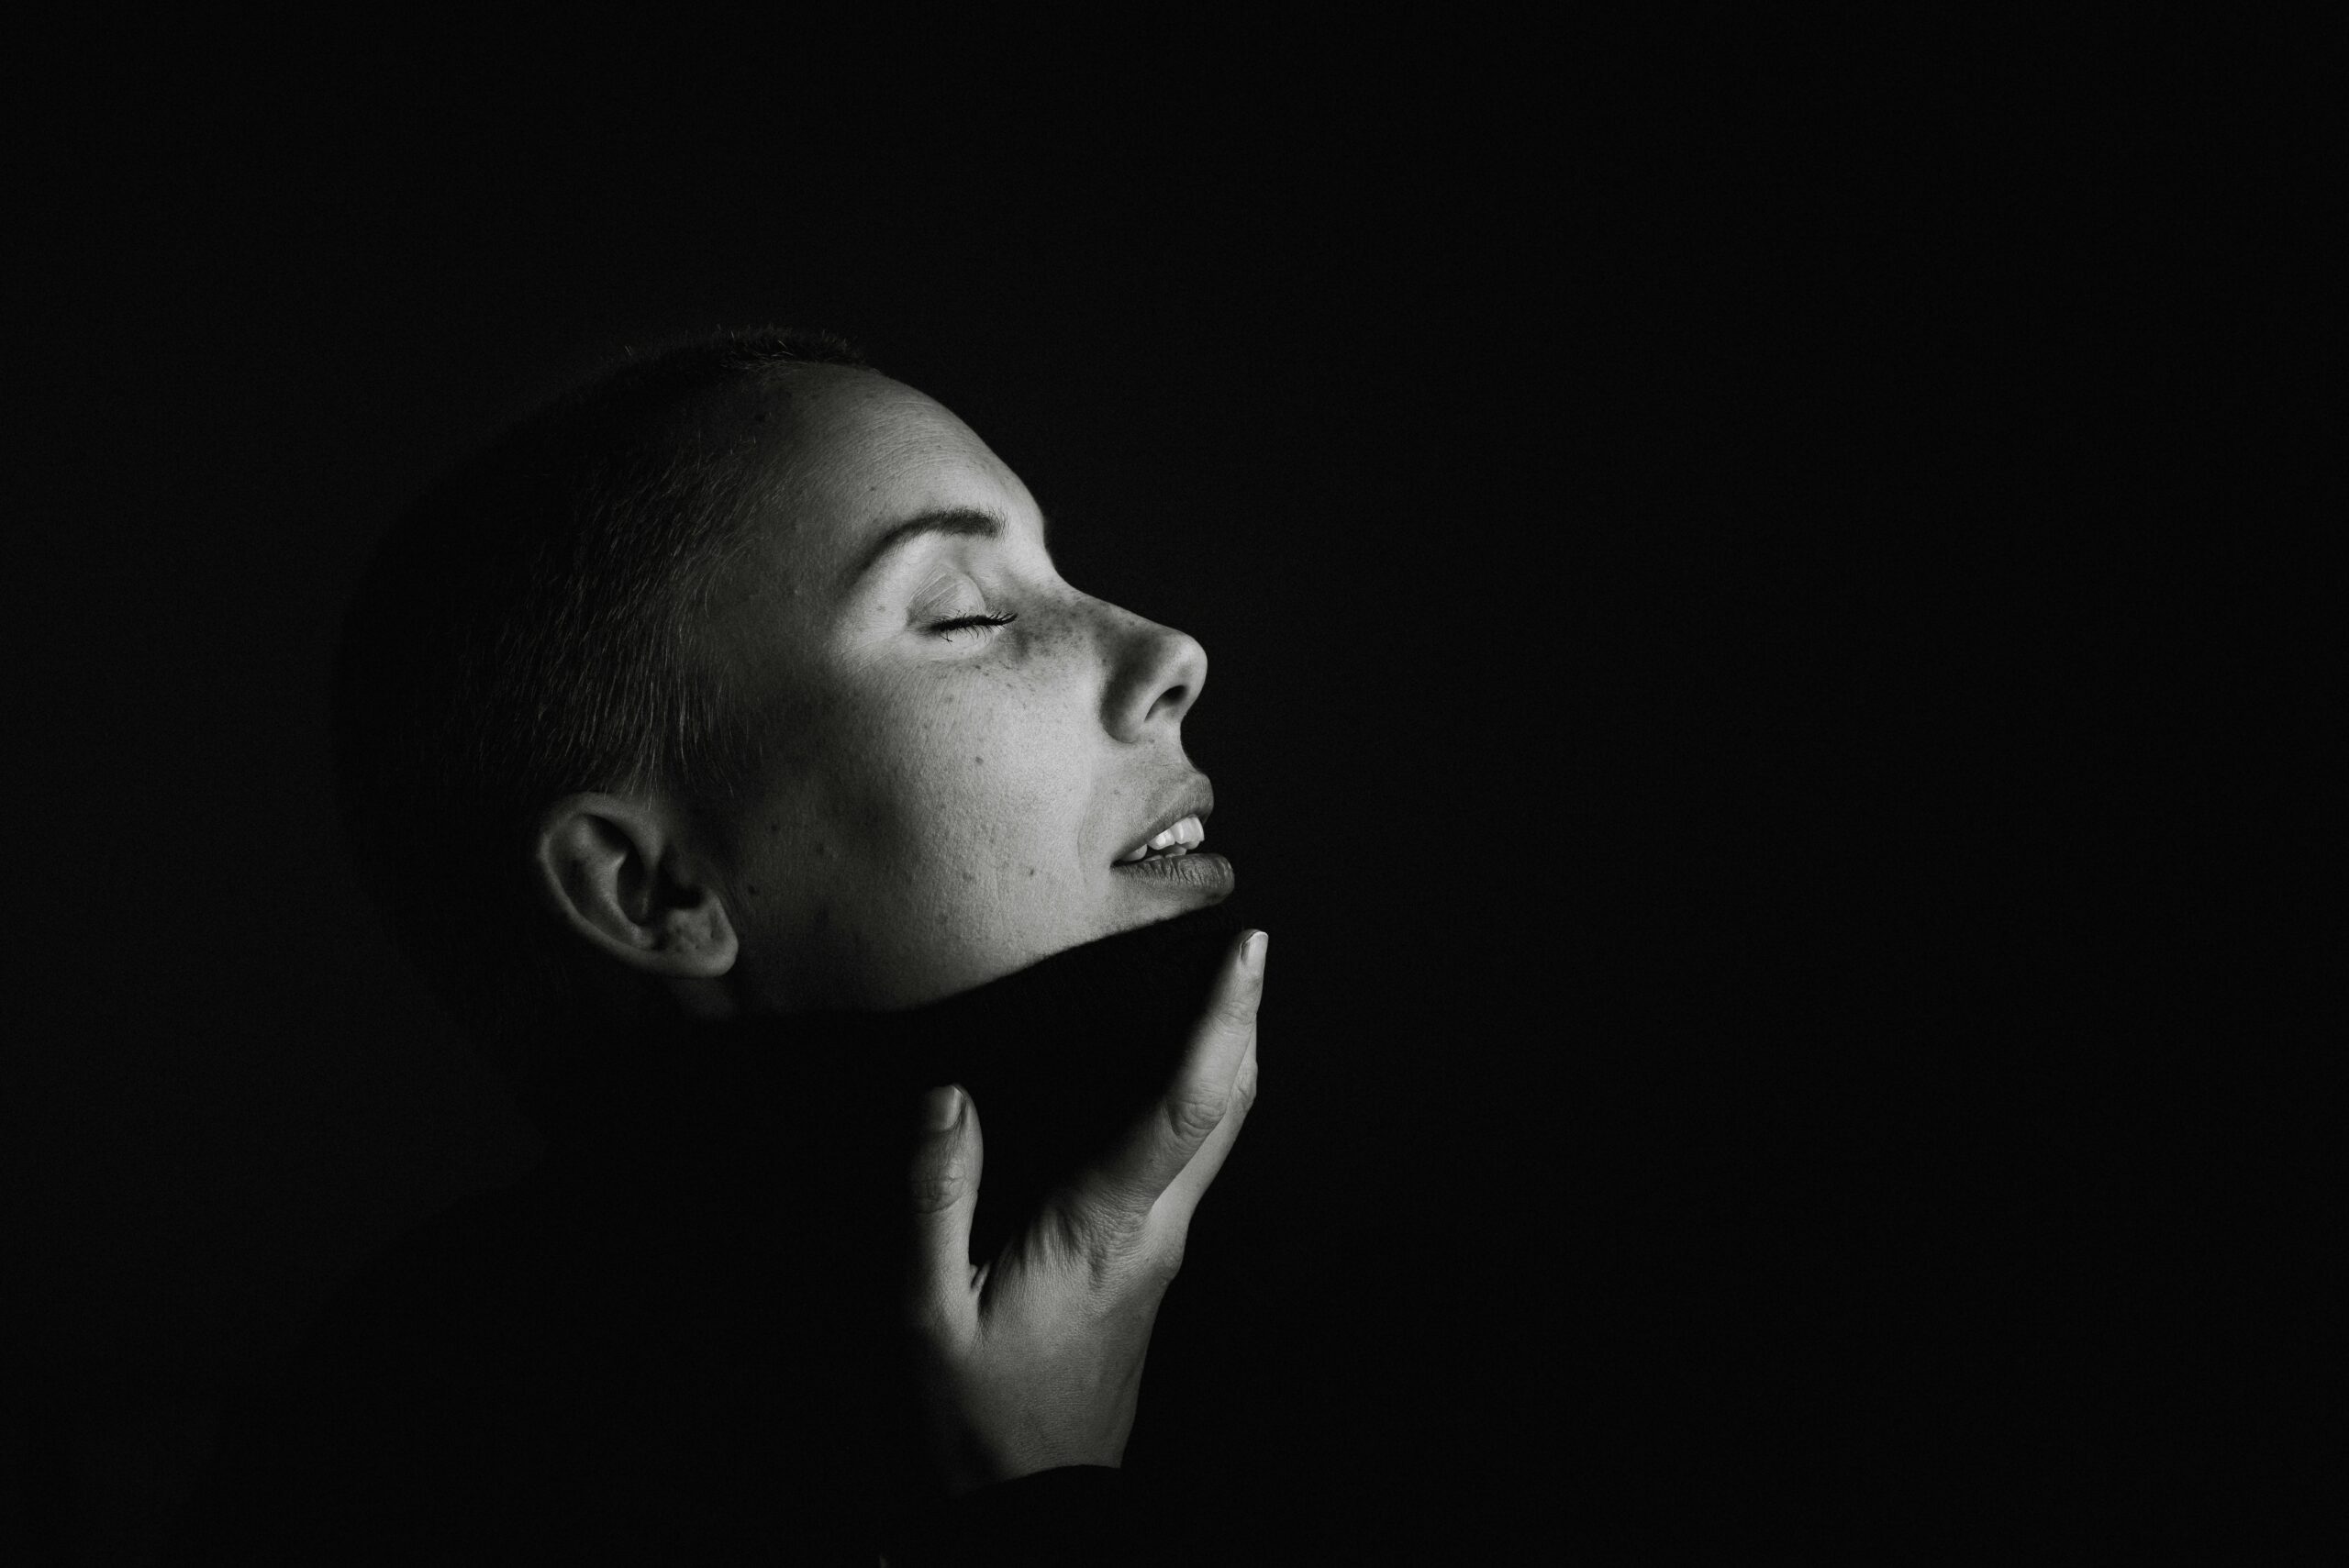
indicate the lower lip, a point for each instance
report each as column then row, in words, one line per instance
column 1198, row 872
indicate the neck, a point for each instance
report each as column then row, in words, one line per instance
column 1059, row 1058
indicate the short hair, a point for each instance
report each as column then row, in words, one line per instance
column 528, row 628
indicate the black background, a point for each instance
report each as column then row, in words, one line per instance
column 1689, row 561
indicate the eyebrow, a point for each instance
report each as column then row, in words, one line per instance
column 968, row 522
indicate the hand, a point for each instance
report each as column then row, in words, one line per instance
column 1032, row 1360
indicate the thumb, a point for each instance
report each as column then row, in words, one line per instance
column 943, row 1193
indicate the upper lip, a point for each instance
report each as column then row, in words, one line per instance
column 1195, row 798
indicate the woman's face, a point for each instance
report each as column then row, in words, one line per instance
column 946, row 800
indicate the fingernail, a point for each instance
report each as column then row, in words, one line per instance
column 1252, row 951
column 941, row 1108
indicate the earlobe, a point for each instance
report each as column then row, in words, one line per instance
column 613, row 871
column 701, row 942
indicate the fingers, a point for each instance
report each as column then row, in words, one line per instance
column 1131, row 1178
column 943, row 1190
column 1176, row 1206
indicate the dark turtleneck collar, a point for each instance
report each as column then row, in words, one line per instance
column 1058, row 1057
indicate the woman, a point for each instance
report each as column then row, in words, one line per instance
column 725, row 747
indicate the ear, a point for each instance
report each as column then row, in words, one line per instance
column 618, row 872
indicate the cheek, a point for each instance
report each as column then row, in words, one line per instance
column 983, row 779
column 898, row 787
column 1006, row 796
column 1004, row 786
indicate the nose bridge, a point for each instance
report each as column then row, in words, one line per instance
column 1155, row 672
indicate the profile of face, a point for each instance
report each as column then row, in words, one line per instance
column 964, row 750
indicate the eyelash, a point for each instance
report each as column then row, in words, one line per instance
column 961, row 622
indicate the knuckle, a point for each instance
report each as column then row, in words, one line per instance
column 936, row 1189
column 1096, row 1228
column 1194, row 1115
column 1161, row 1261
column 1143, row 1264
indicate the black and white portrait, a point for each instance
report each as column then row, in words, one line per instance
column 1419, row 803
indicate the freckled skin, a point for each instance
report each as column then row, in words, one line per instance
column 896, row 861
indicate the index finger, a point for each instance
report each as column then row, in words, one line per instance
column 1181, row 1198
column 1160, row 1144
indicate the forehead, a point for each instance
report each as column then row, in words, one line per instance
column 838, row 457
column 853, row 451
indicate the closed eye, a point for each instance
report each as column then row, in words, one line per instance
column 967, row 623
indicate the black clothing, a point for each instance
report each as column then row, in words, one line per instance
column 666, row 1343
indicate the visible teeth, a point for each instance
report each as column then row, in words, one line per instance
column 1180, row 837
column 1187, row 832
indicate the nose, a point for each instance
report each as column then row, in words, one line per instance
column 1156, row 675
